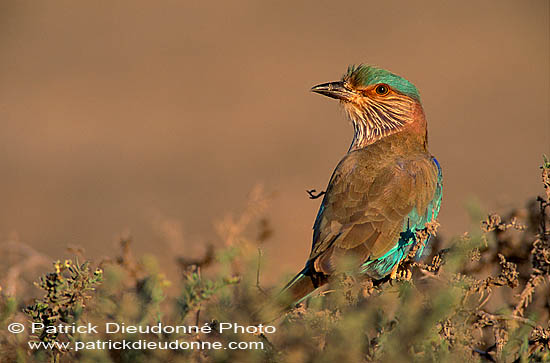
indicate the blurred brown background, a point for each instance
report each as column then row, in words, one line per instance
column 157, row 118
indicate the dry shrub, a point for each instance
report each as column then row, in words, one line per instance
column 484, row 297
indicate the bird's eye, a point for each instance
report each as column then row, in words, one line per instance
column 382, row 89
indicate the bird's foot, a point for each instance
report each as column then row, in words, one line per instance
column 405, row 275
column 400, row 274
column 393, row 274
column 312, row 194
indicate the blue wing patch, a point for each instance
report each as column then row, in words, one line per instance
column 414, row 222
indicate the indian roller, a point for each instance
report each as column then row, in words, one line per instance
column 387, row 186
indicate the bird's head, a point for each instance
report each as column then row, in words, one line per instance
column 378, row 102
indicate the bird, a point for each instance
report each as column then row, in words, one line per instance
column 385, row 188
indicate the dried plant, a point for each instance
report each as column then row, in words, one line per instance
column 484, row 297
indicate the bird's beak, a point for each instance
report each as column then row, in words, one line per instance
column 334, row 90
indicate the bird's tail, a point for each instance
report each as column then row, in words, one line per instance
column 294, row 292
column 299, row 288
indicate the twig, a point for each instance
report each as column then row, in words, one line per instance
column 315, row 196
column 260, row 253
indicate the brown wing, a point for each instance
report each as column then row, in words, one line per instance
column 366, row 204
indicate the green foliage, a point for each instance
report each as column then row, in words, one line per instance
column 67, row 289
column 197, row 290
